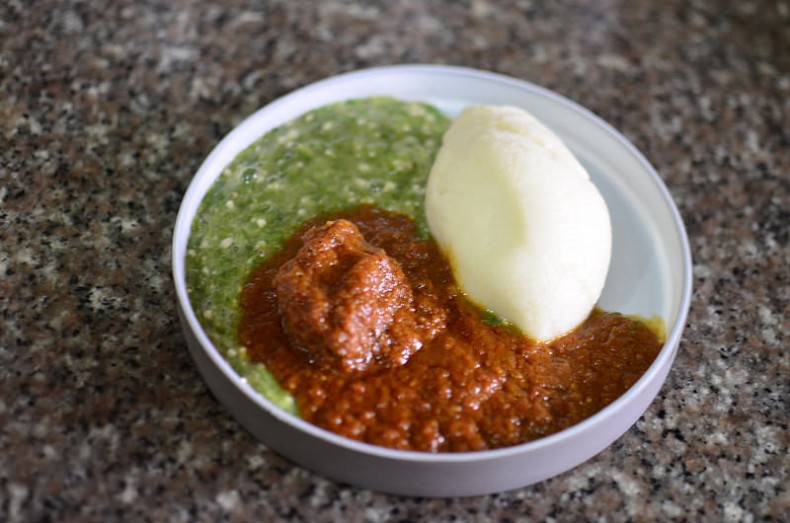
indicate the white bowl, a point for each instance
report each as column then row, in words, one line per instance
column 650, row 275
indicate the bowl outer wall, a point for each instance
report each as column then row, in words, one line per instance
column 414, row 473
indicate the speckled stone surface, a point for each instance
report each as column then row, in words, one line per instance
column 108, row 108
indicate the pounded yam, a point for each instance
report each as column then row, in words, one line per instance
column 527, row 233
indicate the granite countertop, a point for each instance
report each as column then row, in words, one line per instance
column 108, row 108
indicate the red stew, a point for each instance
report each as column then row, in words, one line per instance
column 362, row 322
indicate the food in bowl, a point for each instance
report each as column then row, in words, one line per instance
column 422, row 367
column 527, row 232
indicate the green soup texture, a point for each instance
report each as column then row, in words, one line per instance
column 373, row 150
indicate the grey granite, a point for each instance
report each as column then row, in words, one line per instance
column 108, row 108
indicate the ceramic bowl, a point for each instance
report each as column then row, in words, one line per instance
column 650, row 275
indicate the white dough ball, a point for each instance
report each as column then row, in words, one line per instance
column 527, row 233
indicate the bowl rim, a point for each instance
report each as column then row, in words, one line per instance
column 183, row 227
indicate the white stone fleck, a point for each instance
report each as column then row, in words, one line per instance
column 732, row 512
column 719, row 438
column 129, row 494
column 626, row 484
column 24, row 256
column 172, row 54
column 671, row 509
column 577, row 482
column 228, row 499
column 766, row 315
column 127, row 224
column 40, row 429
column 613, row 61
column 255, row 461
column 72, row 22
column 98, row 91
column 103, row 298
column 34, row 125
column 17, row 494
column 184, row 451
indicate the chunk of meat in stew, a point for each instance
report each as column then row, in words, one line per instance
column 346, row 302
